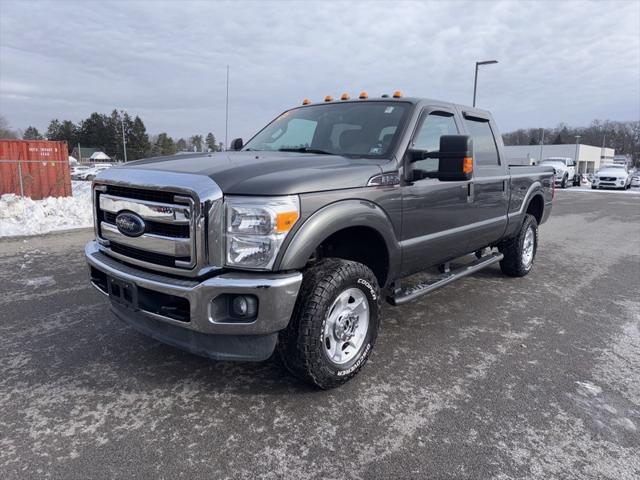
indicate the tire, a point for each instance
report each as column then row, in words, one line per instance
column 310, row 346
column 593, row 188
column 519, row 256
column 576, row 181
column 563, row 184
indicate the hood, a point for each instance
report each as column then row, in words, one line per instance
column 269, row 173
column 612, row 172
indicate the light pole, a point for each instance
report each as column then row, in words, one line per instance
column 576, row 155
column 124, row 139
column 475, row 81
column 541, row 143
column 226, row 115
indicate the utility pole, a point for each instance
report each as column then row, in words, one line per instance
column 541, row 143
column 124, row 139
column 226, row 121
column 475, row 81
column 577, row 147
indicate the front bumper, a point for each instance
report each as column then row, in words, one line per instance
column 202, row 329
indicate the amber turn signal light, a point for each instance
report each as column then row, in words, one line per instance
column 363, row 95
column 306, row 101
column 467, row 165
column 345, row 96
column 397, row 94
column 285, row 220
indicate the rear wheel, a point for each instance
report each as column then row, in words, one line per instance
column 334, row 324
column 520, row 251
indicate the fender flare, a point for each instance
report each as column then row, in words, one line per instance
column 331, row 219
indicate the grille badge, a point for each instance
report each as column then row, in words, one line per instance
column 130, row 224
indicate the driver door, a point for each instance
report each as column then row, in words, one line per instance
column 435, row 213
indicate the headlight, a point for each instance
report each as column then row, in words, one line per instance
column 256, row 228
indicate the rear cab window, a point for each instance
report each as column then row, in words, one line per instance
column 485, row 149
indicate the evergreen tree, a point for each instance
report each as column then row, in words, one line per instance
column 196, row 143
column 181, row 145
column 138, row 145
column 163, row 145
column 32, row 133
column 212, row 146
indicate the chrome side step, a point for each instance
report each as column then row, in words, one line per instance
column 403, row 296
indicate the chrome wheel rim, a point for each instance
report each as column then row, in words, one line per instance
column 346, row 326
column 527, row 247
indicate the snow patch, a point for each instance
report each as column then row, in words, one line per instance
column 23, row 216
column 40, row 282
column 590, row 388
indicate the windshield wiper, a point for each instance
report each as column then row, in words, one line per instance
column 306, row 150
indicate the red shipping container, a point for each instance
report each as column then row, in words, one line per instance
column 35, row 168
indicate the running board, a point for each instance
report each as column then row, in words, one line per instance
column 411, row 293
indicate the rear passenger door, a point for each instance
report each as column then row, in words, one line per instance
column 489, row 189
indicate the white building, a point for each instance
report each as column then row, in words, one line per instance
column 589, row 158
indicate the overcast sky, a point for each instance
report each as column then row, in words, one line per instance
column 166, row 61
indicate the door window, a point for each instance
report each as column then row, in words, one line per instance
column 428, row 136
column 485, row 150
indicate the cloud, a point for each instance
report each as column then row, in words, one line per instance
column 166, row 61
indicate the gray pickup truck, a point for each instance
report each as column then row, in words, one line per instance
column 290, row 242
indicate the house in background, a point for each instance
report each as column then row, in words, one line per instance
column 90, row 154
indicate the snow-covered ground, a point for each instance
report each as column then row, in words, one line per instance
column 23, row 216
column 631, row 191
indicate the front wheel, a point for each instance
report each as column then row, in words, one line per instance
column 334, row 324
column 563, row 184
column 520, row 251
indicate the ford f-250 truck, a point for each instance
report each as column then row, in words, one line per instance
column 291, row 242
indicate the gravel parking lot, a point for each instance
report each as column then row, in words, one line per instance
column 490, row 377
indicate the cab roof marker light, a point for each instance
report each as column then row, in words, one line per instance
column 345, row 96
column 397, row 94
column 385, row 95
column 328, row 98
column 306, row 101
column 363, row 95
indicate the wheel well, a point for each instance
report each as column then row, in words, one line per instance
column 536, row 207
column 360, row 244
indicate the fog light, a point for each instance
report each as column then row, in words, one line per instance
column 244, row 306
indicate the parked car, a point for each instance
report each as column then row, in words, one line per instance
column 612, row 176
column 291, row 242
column 635, row 179
column 77, row 171
column 565, row 169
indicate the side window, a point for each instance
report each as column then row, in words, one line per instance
column 428, row 136
column 485, row 150
column 299, row 133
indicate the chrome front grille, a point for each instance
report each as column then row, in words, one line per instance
column 169, row 236
column 182, row 215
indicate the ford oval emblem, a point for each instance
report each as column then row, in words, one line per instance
column 130, row 224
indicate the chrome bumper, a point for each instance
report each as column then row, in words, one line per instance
column 276, row 294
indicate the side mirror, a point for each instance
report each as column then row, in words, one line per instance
column 456, row 158
column 236, row 144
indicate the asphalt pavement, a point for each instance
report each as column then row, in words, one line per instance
column 489, row 377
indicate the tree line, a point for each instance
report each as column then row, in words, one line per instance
column 105, row 132
column 624, row 137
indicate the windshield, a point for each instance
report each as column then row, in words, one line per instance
column 552, row 162
column 358, row 129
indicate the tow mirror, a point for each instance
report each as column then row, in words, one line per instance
column 456, row 158
column 236, row 144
